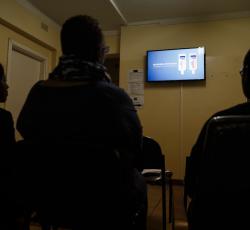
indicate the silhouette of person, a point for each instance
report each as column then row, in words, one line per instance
column 7, row 131
column 7, row 141
column 240, row 109
column 79, row 104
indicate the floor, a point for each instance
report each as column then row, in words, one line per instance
column 155, row 208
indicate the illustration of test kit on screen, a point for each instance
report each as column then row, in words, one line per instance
column 176, row 64
column 192, row 63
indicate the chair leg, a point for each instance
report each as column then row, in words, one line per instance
column 164, row 208
column 171, row 204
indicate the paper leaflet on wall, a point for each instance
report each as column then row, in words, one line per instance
column 136, row 86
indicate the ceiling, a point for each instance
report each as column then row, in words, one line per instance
column 113, row 13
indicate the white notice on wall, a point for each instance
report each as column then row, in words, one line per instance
column 136, row 86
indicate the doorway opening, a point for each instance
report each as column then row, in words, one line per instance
column 112, row 63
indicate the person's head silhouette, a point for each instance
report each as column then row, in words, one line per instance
column 245, row 74
column 82, row 37
column 3, row 85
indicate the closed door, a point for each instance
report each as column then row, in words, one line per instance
column 25, row 68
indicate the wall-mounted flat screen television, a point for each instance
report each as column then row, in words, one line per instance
column 175, row 64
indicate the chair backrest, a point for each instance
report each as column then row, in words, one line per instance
column 73, row 185
column 152, row 154
column 223, row 188
column 155, row 173
column 226, row 153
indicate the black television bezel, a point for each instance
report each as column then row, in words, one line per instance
column 182, row 80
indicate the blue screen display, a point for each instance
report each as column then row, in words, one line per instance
column 176, row 64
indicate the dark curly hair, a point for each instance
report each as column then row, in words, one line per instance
column 246, row 75
column 246, row 61
column 82, row 37
column 3, row 86
column 1, row 72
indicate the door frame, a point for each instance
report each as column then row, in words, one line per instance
column 15, row 46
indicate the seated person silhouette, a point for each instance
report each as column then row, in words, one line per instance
column 79, row 107
column 194, row 160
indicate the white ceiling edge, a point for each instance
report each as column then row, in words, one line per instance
column 45, row 19
column 26, row 4
column 215, row 17
column 115, row 6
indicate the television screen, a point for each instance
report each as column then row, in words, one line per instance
column 176, row 64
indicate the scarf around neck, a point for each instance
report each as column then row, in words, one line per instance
column 73, row 68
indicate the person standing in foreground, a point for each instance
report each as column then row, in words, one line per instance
column 79, row 104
